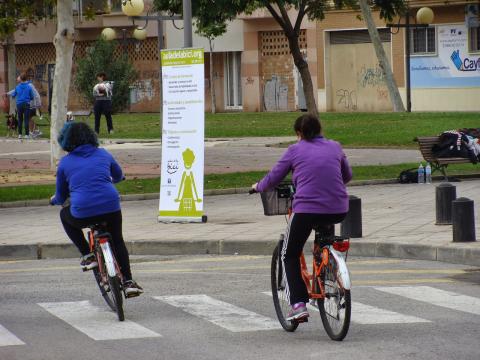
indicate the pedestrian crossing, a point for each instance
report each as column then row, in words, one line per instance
column 99, row 323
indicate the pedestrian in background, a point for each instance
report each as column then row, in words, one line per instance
column 35, row 106
column 102, row 92
column 23, row 94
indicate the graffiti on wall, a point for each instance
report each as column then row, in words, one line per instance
column 347, row 99
column 275, row 95
column 371, row 76
column 142, row 90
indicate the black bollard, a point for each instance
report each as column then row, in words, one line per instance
column 351, row 226
column 445, row 193
column 463, row 219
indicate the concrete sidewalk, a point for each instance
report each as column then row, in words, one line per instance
column 398, row 221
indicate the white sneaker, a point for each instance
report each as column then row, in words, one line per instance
column 20, row 136
column 27, row 137
column 110, row 132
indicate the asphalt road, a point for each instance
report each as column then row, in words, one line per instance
column 402, row 309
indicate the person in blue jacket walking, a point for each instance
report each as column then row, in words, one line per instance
column 23, row 94
column 87, row 175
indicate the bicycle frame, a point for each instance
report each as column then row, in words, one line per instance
column 342, row 274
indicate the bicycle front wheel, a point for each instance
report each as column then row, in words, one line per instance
column 116, row 291
column 280, row 301
column 336, row 307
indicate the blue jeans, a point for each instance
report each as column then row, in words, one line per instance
column 23, row 117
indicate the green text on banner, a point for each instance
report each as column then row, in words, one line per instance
column 181, row 185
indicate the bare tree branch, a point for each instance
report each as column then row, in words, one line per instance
column 286, row 19
column 300, row 16
column 275, row 15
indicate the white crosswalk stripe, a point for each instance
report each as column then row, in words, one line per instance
column 7, row 338
column 225, row 315
column 371, row 315
column 95, row 322
column 446, row 299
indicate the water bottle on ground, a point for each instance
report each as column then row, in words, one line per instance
column 428, row 173
column 421, row 174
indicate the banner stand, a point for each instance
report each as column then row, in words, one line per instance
column 183, row 124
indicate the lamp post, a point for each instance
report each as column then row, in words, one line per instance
column 424, row 17
column 134, row 8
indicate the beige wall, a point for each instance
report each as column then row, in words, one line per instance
column 357, row 82
column 422, row 99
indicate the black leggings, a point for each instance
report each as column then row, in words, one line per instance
column 299, row 228
column 73, row 227
column 103, row 107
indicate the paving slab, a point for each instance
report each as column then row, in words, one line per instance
column 398, row 221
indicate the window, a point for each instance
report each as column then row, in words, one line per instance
column 423, row 41
column 474, row 39
column 233, row 85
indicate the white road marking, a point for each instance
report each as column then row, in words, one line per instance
column 220, row 313
column 8, row 339
column 95, row 322
column 446, row 299
column 371, row 315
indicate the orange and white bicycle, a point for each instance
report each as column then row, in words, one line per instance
column 329, row 282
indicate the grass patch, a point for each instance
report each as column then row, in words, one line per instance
column 221, row 181
column 351, row 129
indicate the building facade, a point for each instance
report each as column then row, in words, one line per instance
column 254, row 71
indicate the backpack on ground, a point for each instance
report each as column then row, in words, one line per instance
column 408, row 176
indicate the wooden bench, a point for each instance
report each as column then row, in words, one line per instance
column 425, row 144
column 82, row 113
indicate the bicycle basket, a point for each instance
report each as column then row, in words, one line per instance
column 278, row 200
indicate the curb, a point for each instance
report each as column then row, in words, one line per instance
column 464, row 256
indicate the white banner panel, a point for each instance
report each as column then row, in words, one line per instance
column 181, row 185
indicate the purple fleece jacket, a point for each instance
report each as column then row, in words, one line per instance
column 320, row 171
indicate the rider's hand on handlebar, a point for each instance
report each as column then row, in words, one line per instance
column 51, row 200
column 253, row 190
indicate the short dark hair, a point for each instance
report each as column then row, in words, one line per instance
column 23, row 77
column 75, row 134
column 308, row 126
column 102, row 75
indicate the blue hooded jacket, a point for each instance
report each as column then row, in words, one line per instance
column 23, row 93
column 87, row 174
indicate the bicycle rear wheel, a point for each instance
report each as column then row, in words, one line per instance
column 109, row 287
column 336, row 307
column 280, row 301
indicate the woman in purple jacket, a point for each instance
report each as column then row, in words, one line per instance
column 320, row 171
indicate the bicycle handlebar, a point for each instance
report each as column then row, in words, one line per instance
column 252, row 191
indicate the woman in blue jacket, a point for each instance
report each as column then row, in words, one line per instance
column 23, row 94
column 87, row 175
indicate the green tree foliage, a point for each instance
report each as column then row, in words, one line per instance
column 18, row 14
column 101, row 57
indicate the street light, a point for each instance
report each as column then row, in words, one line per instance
column 424, row 17
column 108, row 34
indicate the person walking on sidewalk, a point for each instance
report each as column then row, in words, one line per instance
column 35, row 106
column 87, row 175
column 102, row 92
column 23, row 94
column 320, row 171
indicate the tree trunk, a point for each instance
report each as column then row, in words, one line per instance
column 382, row 57
column 304, row 71
column 11, row 69
column 63, row 41
column 212, row 80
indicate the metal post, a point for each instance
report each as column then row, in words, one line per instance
column 463, row 220
column 407, row 59
column 124, row 41
column 445, row 193
column 160, row 47
column 187, row 24
column 351, row 226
